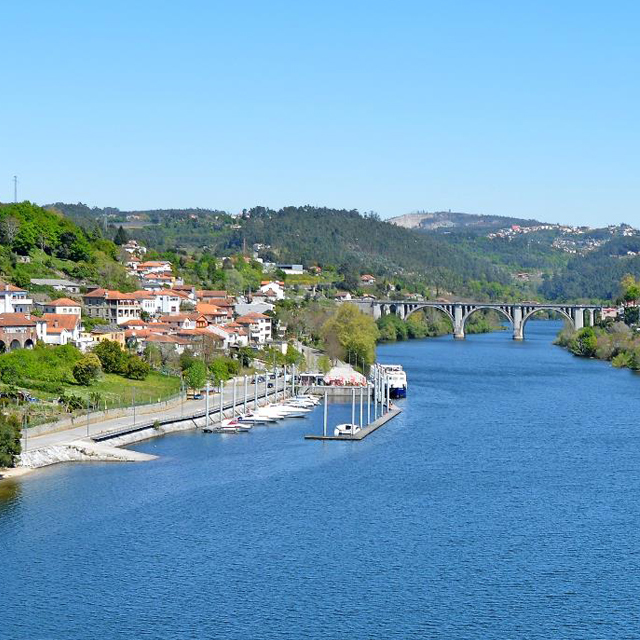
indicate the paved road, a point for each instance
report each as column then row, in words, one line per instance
column 181, row 409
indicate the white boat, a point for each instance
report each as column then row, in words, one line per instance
column 280, row 411
column 346, row 429
column 397, row 379
column 269, row 413
column 315, row 400
column 294, row 408
column 235, row 422
column 302, row 404
column 253, row 419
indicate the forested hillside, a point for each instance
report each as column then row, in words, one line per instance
column 314, row 235
column 38, row 243
column 596, row 275
column 84, row 215
column 447, row 252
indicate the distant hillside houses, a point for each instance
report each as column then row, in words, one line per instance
column 58, row 284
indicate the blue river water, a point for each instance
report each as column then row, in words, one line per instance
column 504, row 502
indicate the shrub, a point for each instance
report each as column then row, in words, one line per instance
column 584, row 343
column 136, row 368
column 10, row 435
column 621, row 360
column 71, row 402
column 87, row 369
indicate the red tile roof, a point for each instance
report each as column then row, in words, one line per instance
column 56, row 322
column 16, row 320
column 63, row 302
column 108, row 294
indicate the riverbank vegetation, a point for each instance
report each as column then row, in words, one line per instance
column 615, row 342
column 430, row 323
column 10, row 434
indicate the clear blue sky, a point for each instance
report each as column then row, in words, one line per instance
column 511, row 108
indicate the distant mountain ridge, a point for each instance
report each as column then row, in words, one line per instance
column 454, row 220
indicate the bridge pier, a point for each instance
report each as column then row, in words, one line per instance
column 578, row 318
column 458, row 323
column 518, row 324
column 591, row 317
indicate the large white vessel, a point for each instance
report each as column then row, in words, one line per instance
column 396, row 379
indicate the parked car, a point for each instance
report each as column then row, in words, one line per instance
column 197, row 396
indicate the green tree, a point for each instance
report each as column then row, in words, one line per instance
column 293, row 356
column 219, row 370
column 584, row 343
column 245, row 356
column 153, row 356
column 136, row 368
column 112, row 358
column 351, row 332
column 324, row 363
column 121, row 236
column 195, row 375
column 10, row 434
column 392, row 328
column 87, row 369
column 417, row 326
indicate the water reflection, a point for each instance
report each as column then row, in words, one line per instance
column 10, row 491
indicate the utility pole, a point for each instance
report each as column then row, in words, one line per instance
column 245, row 393
column 206, row 421
column 15, row 188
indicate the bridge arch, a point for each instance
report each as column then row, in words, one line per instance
column 437, row 307
column 500, row 310
column 529, row 314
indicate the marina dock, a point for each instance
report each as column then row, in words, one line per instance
column 365, row 431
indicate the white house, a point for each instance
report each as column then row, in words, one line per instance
column 233, row 334
column 167, row 302
column 64, row 306
column 257, row 325
column 154, row 266
column 158, row 302
column 180, row 321
column 14, row 299
column 62, row 328
column 133, row 247
column 157, row 281
column 271, row 289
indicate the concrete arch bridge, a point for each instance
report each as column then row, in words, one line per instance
column 579, row 315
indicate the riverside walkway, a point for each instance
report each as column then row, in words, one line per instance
column 146, row 416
